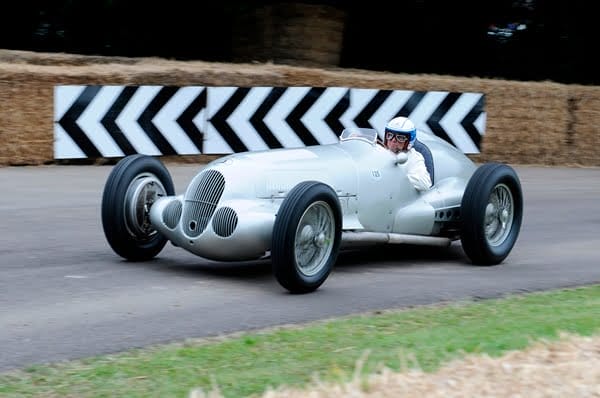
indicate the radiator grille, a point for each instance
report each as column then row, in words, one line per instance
column 224, row 221
column 201, row 201
column 172, row 214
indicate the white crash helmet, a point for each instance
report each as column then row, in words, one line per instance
column 401, row 125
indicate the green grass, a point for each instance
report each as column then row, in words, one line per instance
column 249, row 363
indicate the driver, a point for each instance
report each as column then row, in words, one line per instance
column 400, row 135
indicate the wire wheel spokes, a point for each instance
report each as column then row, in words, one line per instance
column 314, row 238
column 499, row 214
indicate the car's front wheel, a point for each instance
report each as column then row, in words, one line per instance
column 133, row 185
column 491, row 212
column 306, row 237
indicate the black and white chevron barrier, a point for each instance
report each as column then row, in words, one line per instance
column 114, row 121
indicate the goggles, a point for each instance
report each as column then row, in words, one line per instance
column 400, row 138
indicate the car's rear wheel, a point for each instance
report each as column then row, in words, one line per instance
column 133, row 185
column 306, row 237
column 491, row 212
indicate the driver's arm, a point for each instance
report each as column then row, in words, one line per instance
column 416, row 171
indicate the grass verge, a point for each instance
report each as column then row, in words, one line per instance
column 249, row 363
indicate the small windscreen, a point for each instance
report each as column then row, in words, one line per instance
column 362, row 134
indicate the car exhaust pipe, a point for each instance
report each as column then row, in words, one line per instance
column 352, row 239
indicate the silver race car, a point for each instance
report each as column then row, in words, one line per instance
column 301, row 205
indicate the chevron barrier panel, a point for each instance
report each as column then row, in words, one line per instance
column 114, row 121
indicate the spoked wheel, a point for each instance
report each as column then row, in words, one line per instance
column 306, row 237
column 491, row 211
column 499, row 215
column 131, row 189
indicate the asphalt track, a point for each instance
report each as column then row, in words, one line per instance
column 64, row 294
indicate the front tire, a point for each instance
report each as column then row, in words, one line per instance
column 133, row 185
column 491, row 211
column 306, row 237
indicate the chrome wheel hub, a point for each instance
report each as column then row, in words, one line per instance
column 141, row 195
column 499, row 214
column 314, row 238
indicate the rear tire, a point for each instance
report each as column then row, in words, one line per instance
column 306, row 237
column 130, row 190
column 491, row 212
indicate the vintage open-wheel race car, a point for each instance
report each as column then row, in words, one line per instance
column 301, row 205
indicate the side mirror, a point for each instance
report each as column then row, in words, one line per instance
column 401, row 158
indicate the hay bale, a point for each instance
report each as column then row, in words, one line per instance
column 583, row 129
column 527, row 122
